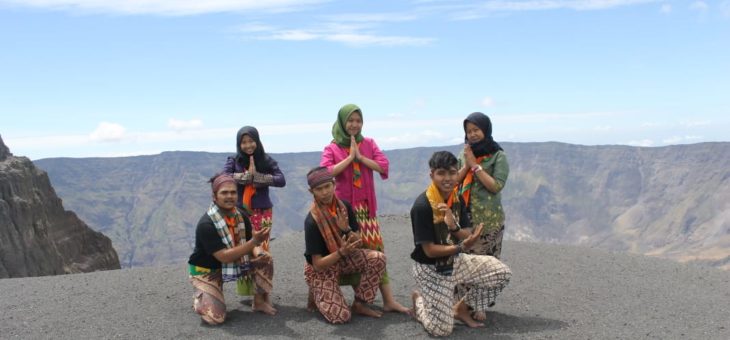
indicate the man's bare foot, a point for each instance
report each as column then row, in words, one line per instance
column 260, row 305
column 462, row 313
column 311, row 305
column 394, row 306
column 362, row 309
column 479, row 316
column 414, row 296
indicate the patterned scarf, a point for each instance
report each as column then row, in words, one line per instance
column 331, row 225
column 469, row 182
column 356, row 174
column 444, row 265
column 231, row 271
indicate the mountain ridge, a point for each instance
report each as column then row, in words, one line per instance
column 664, row 201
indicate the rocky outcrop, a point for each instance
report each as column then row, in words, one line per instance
column 37, row 236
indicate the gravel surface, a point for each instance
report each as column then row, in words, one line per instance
column 557, row 292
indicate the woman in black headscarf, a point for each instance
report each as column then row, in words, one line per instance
column 483, row 172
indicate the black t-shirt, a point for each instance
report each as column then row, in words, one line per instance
column 423, row 228
column 207, row 242
column 314, row 242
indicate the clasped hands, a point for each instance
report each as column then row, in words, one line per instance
column 450, row 221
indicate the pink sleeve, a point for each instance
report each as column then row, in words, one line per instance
column 328, row 158
column 379, row 157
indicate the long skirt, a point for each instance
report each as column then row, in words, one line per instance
column 489, row 243
column 484, row 276
column 208, row 297
column 371, row 239
column 262, row 218
column 327, row 295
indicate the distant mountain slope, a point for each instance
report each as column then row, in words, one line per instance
column 37, row 236
column 670, row 201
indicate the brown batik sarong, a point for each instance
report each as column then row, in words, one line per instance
column 326, row 293
column 263, row 274
column 208, row 297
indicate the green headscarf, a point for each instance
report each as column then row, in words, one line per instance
column 338, row 128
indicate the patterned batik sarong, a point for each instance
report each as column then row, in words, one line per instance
column 262, row 218
column 326, row 292
column 208, row 297
column 489, row 243
column 485, row 277
column 371, row 239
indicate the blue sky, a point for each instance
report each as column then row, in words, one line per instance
column 83, row 78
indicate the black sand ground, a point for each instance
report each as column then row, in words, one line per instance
column 556, row 293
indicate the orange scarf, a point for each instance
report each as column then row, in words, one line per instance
column 248, row 191
column 331, row 224
column 356, row 174
column 468, row 182
column 232, row 226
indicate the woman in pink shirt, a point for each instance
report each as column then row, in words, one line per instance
column 352, row 158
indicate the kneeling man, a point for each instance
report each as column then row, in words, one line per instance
column 332, row 249
column 441, row 233
column 226, row 249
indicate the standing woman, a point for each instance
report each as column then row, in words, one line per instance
column 254, row 172
column 483, row 172
column 352, row 158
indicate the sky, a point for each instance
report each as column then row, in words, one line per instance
column 98, row 78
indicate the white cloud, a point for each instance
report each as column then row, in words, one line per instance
column 603, row 128
column 696, row 123
column 487, row 102
column 166, row 7
column 680, row 139
column 725, row 9
column 666, row 8
column 372, row 17
column 353, row 35
column 108, row 132
column 486, row 8
column 179, row 125
column 700, row 6
column 642, row 142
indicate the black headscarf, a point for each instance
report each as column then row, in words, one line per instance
column 487, row 145
column 260, row 158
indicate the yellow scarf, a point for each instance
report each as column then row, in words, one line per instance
column 434, row 198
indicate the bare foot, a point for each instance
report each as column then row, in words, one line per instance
column 311, row 305
column 362, row 309
column 462, row 313
column 260, row 305
column 414, row 296
column 479, row 316
column 394, row 306
column 264, row 308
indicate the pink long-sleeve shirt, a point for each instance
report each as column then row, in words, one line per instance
column 334, row 153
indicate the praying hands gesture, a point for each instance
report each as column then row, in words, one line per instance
column 471, row 160
column 354, row 150
column 251, row 165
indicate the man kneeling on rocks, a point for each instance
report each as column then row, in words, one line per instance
column 452, row 283
column 332, row 249
column 226, row 249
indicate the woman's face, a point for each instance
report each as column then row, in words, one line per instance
column 248, row 145
column 353, row 126
column 473, row 133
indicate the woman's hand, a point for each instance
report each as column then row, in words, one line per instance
column 251, row 165
column 471, row 161
column 354, row 149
